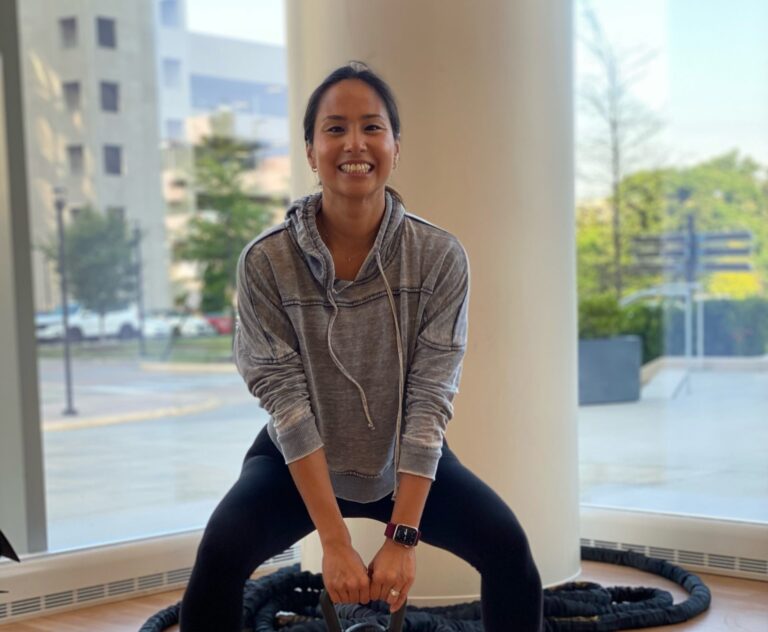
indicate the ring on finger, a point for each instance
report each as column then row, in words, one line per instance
column 394, row 593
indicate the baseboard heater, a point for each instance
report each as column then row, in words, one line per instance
column 719, row 547
column 46, row 583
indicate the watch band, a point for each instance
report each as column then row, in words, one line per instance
column 403, row 534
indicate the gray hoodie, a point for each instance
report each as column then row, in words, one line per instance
column 367, row 369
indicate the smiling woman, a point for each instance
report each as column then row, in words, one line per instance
column 339, row 308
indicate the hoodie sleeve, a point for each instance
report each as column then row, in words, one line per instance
column 266, row 353
column 435, row 370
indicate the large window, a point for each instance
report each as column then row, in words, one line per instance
column 153, row 429
column 673, row 257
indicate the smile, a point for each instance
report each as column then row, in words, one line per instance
column 356, row 168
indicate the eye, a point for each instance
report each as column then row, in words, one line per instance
column 335, row 129
column 374, row 126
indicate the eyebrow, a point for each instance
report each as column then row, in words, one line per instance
column 339, row 117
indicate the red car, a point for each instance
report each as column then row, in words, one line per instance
column 221, row 322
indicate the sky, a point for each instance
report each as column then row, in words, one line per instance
column 708, row 80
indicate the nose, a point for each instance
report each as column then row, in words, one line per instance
column 355, row 141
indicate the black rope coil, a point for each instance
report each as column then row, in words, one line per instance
column 287, row 600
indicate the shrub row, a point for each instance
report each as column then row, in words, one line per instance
column 731, row 328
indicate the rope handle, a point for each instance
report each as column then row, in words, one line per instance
column 396, row 619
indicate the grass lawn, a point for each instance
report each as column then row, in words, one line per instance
column 201, row 349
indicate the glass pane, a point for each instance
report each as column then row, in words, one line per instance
column 145, row 428
column 673, row 256
column 105, row 30
column 68, row 32
column 109, row 96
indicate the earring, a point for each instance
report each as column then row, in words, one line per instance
column 397, row 159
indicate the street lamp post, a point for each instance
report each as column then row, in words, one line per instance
column 139, row 287
column 60, row 203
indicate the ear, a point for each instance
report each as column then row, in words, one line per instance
column 310, row 155
column 397, row 149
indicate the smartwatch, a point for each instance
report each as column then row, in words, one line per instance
column 402, row 534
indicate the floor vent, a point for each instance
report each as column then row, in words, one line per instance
column 179, row 576
column 691, row 557
column 635, row 548
column 662, row 553
column 56, row 600
column 3, row 610
column 121, row 587
column 722, row 561
column 753, row 566
column 604, row 544
column 150, row 581
column 90, row 593
column 25, row 606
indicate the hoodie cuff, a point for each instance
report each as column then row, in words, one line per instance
column 418, row 460
column 302, row 439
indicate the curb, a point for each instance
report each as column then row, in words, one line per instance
column 147, row 415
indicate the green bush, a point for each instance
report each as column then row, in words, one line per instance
column 731, row 328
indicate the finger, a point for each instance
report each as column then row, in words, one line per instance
column 365, row 591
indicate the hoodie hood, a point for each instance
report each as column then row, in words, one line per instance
column 300, row 219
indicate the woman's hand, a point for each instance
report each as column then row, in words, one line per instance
column 393, row 567
column 344, row 574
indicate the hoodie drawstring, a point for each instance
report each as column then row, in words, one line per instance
column 363, row 399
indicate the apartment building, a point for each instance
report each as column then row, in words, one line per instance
column 92, row 127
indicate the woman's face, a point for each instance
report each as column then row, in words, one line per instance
column 353, row 148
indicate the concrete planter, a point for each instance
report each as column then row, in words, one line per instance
column 609, row 370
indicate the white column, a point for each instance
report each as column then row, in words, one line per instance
column 485, row 95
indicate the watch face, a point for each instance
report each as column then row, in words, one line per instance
column 405, row 535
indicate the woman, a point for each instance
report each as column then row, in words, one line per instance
column 352, row 329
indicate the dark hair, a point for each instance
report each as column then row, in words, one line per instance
column 353, row 70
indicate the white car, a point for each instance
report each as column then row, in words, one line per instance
column 186, row 325
column 86, row 324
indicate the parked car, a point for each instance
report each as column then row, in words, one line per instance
column 184, row 324
column 220, row 321
column 86, row 324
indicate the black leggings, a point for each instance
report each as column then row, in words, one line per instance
column 263, row 514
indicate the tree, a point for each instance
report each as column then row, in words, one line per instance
column 229, row 218
column 725, row 193
column 99, row 260
column 626, row 124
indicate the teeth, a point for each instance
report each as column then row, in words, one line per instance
column 356, row 168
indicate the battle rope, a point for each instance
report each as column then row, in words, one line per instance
column 287, row 600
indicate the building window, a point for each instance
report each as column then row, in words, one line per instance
column 174, row 129
column 169, row 13
column 68, row 32
column 113, row 159
column 117, row 212
column 71, row 91
column 110, row 94
column 171, row 73
column 75, row 159
column 106, row 33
